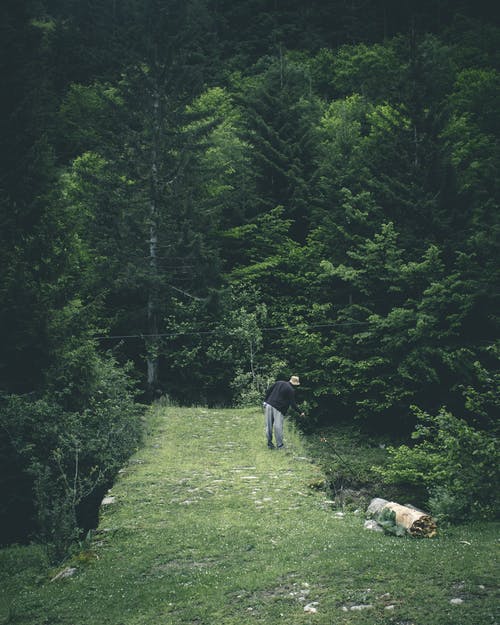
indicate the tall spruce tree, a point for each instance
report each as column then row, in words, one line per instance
column 141, row 182
column 281, row 112
column 30, row 234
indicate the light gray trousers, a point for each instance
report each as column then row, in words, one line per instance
column 274, row 418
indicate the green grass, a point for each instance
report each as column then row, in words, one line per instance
column 210, row 527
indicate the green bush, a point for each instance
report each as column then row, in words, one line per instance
column 249, row 387
column 63, row 458
column 456, row 463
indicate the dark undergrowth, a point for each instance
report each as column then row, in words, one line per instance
column 348, row 458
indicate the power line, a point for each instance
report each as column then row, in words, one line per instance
column 205, row 332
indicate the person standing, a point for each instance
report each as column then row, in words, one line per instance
column 279, row 397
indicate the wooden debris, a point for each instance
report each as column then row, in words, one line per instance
column 416, row 522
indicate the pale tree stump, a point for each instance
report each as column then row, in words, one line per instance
column 414, row 521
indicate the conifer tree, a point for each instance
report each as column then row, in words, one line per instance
column 281, row 112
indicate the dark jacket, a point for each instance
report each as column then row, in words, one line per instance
column 281, row 395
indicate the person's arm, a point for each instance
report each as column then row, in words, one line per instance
column 294, row 406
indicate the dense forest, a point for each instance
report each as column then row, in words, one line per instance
column 200, row 196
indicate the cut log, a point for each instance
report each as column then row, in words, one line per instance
column 415, row 522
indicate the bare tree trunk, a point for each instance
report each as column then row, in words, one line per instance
column 252, row 364
column 153, row 340
column 415, row 142
column 414, row 70
column 281, row 67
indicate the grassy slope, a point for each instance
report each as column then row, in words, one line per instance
column 210, row 527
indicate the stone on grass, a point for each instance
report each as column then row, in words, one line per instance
column 375, row 506
column 372, row 525
column 311, row 607
column 456, row 601
column 67, row 572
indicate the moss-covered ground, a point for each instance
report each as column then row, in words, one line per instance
column 207, row 526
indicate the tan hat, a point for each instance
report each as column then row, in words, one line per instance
column 295, row 380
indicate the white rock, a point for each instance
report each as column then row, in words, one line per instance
column 456, row 601
column 68, row 572
column 390, row 607
column 367, row 606
column 107, row 501
column 310, row 607
column 376, row 505
column 372, row 525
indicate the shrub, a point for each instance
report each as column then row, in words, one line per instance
column 249, row 387
column 456, row 463
column 63, row 458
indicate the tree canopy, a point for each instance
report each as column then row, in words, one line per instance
column 221, row 193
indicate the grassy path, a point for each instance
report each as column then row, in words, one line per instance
column 209, row 527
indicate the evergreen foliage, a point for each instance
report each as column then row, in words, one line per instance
column 229, row 192
column 455, row 463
